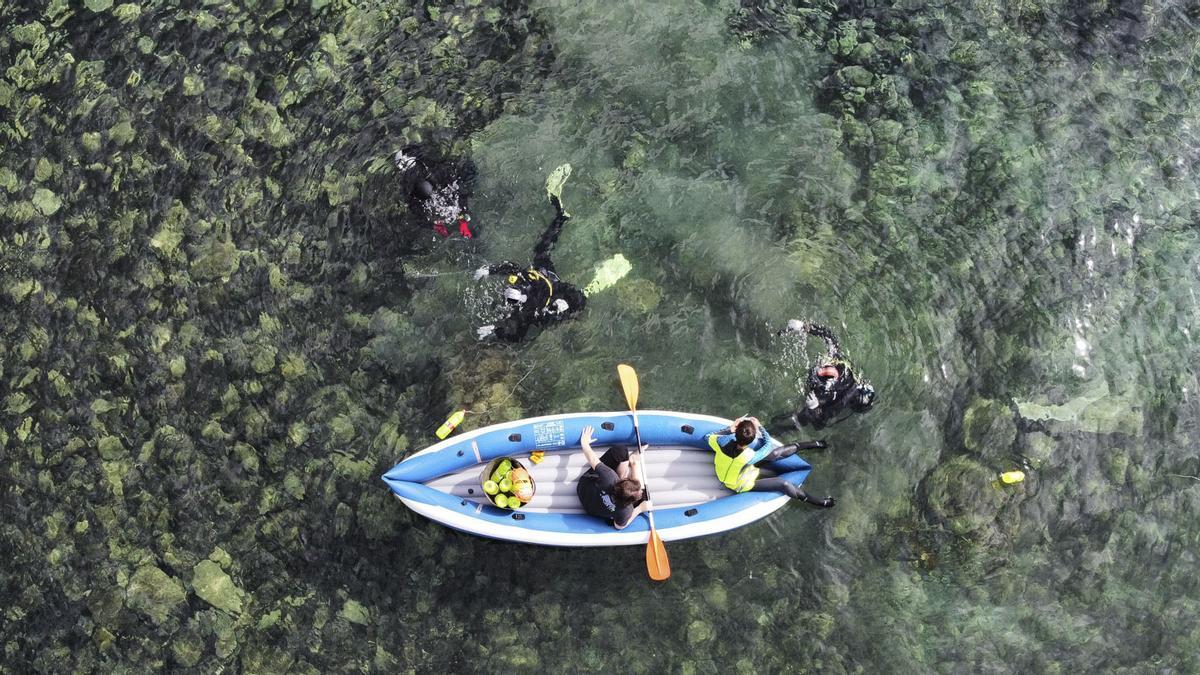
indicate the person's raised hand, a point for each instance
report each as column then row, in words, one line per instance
column 586, row 437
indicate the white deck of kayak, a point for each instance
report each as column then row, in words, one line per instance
column 677, row 476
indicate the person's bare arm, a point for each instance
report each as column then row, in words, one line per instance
column 585, row 441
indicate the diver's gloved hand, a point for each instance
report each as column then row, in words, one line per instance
column 485, row 331
column 516, row 296
column 481, row 272
column 559, row 306
column 828, row 503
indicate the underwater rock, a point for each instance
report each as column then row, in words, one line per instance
column 1038, row 448
column 262, row 659
column 1096, row 410
column 988, row 428
column 640, row 294
column 960, row 495
column 214, row 586
column 354, row 612
column 221, row 557
column 187, row 647
column 856, row 76
column 46, row 202
column 154, row 593
column 699, row 631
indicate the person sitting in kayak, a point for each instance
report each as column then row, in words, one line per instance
column 610, row 489
column 534, row 295
column 437, row 189
column 739, row 448
column 833, row 385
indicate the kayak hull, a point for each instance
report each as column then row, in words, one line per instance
column 441, row 482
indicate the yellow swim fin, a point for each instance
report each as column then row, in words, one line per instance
column 555, row 181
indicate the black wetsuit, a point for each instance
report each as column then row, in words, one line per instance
column 595, row 488
column 437, row 189
column 833, row 394
column 540, row 285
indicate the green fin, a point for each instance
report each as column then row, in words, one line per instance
column 608, row 273
column 555, row 182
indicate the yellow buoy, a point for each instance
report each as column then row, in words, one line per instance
column 450, row 423
column 1011, row 477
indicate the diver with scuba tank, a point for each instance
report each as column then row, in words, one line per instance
column 534, row 295
column 834, row 387
column 438, row 189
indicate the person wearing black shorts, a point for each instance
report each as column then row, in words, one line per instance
column 610, row 489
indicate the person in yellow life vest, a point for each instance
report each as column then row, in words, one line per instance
column 534, row 295
column 737, row 452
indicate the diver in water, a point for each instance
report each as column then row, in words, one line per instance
column 833, row 385
column 438, row 189
column 742, row 446
column 534, row 295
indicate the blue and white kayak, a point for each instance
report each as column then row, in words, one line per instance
column 441, row 482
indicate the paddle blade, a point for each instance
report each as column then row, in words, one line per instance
column 629, row 383
column 657, row 563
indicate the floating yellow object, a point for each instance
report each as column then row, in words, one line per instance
column 608, row 273
column 450, row 423
column 537, row 456
column 555, row 181
column 1011, row 477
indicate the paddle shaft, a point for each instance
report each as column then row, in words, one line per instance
column 637, row 432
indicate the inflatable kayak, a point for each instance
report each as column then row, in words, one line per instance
column 442, row 482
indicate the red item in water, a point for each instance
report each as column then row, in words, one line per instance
column 440, row 228
column 463, row 229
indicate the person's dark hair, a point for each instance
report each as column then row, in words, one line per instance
column 745, row 432
column 627, row 491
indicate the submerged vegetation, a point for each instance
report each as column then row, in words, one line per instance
column 222, row 324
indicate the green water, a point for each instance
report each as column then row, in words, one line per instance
column 222, row 325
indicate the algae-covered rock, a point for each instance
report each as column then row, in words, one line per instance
column 856, row 76
column 221, row 557
column 1038, row 448
column 988, row 428
column 214, row 586
column 262, row 659
column 354, row 612
column 1096, row 410
column 639, row 294
column 699, row 632
column 111, row 447
column 961, row 494
column 187, row 649
column 46, row 201
column 154, row 593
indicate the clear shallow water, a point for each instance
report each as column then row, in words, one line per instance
column 991, row 205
